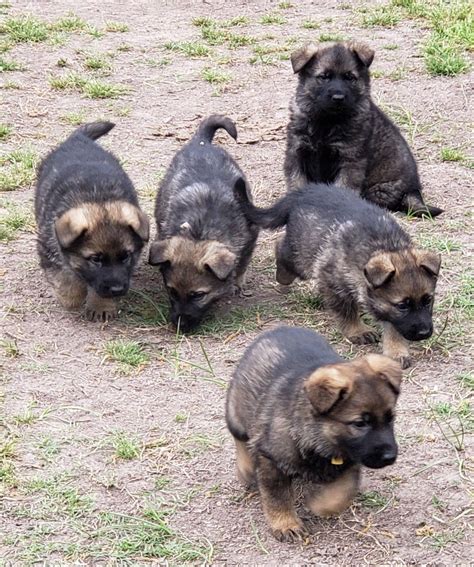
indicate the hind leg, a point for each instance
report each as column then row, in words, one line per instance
column 333, row 498
column 285, row 274
column 245, row 464
column 69, row 289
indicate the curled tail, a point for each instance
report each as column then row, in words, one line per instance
column 272, row 217
column 413, row 204
column 94, row 130
column 208, row 128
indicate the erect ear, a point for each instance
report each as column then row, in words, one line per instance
column 328, row 385
column 136, row 220
column 387, row 369
column 219, row 259
column 71, row 225
column 429, row 261
column 303, row 56
column 158, row 252
column 379, row 270
column 363, row 52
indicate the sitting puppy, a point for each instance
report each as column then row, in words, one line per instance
column 336, row 134
column 204, row 241
column 90, row 227
column 362, row 260
column 298, row 410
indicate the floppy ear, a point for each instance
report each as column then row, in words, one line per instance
column 303, row 56
column 71, row 225
column 219, row 259
column 158, row 252
column 387, row 369
column 326, row 386
column 429, row 261
column 136, row 219
column 379, row 270
column 363, row 52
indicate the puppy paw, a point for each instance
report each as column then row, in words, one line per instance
column 103, row 315
column 365, row 338
column 242, row 292
column 291, row 534
column 404, row 360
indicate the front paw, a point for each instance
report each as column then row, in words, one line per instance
column 102, row 313
column 403, row 357
column 291, row 534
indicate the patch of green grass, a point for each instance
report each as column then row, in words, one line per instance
column 181, row 417
column 452, row 154
column 95, row 32
column 443, row 58
column 272, row 19
column 5, row 131
column 325, row 37
column 125, row 446
column 74, row 118
column 49, row 448
column 443, row 539
column 215, row 32
column 10, row 348
column 383, row 16
column 442, row 244
column 69, row 23
column 25, row 29
column 116, row 27
column 310, row 25
column 391, row 46
column 285, row 5
column 215, row 76
column 6, row 66
column 236, row 21
column 17, row 169
column 100, row 89
column 373, row 500
column 128, row 354
column 466, row 379
column 140, row 308
column 58, row 499
column 96, row 63
column 189, row 48
column 91, row 88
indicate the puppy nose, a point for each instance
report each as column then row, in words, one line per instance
column 338, row 97
column 389, row 457
column 422, row 334
column 117, row 289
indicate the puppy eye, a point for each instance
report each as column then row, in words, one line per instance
column 404, row 305
column 350, row 77
column 426, row 300
column 96, row 259
column 360, row 424
column 325, row 76
column 197, row 294
column 125, row 257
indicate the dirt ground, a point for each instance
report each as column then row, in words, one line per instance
column 110, row 461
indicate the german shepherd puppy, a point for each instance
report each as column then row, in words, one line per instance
column 337, row 134
column 204, row 241
column 298, row 410
column 361, row 259
column 90, row 227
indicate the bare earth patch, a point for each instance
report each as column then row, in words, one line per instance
column 113, row 446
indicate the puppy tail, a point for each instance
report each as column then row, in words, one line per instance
column 208, row 127
column 272, row 217
column 95, row 130
column 414, row 205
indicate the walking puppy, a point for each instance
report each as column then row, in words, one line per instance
column 361, row 259
column 336, row 133
column 90, row 227
column 204, row 240
column 297, row 410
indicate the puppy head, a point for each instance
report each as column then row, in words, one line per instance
column 354, row 404
column 196, row 274
column 334, row 78
column 101, row 242
column 400, row 289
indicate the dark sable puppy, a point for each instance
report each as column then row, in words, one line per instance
column 362, row 260
column 204, row 241
column 297, row 410
column 90, row 227
column 336, row 134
